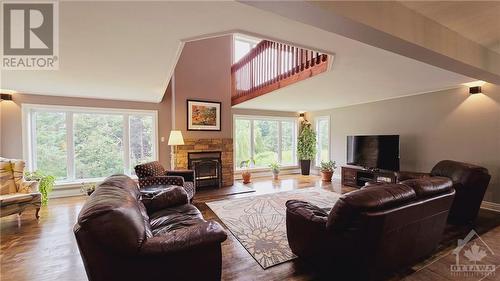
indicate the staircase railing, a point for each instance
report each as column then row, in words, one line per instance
column 272, row 65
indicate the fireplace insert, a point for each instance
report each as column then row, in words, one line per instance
column 207, row 168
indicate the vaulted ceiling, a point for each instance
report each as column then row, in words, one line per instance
column 128, row 50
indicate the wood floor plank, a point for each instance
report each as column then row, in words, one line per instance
column 46, row 249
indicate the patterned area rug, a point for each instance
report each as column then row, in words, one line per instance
column 258, row 222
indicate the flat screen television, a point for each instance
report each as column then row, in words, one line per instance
column 374, row 152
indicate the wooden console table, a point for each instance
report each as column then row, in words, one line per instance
column 357, row 177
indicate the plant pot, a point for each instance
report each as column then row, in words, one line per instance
column 276, row 175
column 246, row 176
column 326, row 176
column 89, row 192
column 305, row 167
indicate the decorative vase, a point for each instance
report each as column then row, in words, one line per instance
column 276, row 175
column 327, row 175
column 305, row 167
column 246, row 176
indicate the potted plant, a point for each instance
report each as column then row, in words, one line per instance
column 45, row 183
column 246, row 174
column 327, row 168
column 88, row 188
column 306, row 146
column 275, row 169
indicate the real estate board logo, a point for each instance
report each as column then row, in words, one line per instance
column 471, row 257
column 30, row 36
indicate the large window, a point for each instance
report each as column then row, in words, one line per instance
column 265, row 140
column 75, row 144
column 323, row 139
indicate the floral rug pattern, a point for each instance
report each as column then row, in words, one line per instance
column 258, row 222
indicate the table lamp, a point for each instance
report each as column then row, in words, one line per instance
column 174, row 139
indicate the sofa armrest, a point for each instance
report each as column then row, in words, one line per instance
column 188, row 175
column 29, row 186
column 306, row 211
column 305, row 228
column 405, row 175
column 161, row 180
column 186, row 238
column 168, row 197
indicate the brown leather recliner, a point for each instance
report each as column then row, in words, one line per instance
column 469, row 181
column 120, row 238
column 372, row 231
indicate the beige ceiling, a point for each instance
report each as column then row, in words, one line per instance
column 127, row 51
column 478, row 21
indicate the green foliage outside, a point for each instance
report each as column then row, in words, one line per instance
column 98, row 145
column 266, row 142
column 98, row 141
column 51, row 143
column 306, row 146
column 45, row 183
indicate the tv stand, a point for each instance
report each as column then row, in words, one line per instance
column 357, row 176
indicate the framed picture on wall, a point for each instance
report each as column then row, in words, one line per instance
column 203, row 115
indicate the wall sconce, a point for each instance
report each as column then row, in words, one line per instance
column 5, row 97
column 475, row 90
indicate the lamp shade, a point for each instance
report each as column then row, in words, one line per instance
column 175, row 138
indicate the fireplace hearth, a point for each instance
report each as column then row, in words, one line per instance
column 207, row 166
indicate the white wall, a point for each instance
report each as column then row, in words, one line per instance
column 448, row 124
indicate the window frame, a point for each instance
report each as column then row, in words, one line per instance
column 279, row 119
column 29, row 135
column 243, row 38
column 317, row 158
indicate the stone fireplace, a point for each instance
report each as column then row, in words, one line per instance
column 199, row 148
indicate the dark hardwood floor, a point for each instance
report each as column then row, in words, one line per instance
column 46, row 249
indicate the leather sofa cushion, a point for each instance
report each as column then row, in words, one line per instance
column 173, row 218
column 160, row 197
column 426, row 187
column 373, row 198
column 115, row 217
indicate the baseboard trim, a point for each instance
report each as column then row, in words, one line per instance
column 491, row 206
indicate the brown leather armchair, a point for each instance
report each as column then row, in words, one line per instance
column 164, row 238
column 469, row 181
column 372, row 231
column 153, row 174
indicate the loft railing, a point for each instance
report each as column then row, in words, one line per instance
column 272, row 65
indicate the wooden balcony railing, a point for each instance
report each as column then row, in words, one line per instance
column 272, row 65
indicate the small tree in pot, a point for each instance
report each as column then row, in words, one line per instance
column 306, row 147
column 327, row 168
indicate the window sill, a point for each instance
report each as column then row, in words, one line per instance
column 238, row 171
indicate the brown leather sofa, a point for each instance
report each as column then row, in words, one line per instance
column 469, row 181
column 373, row 231
column 122, row 236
